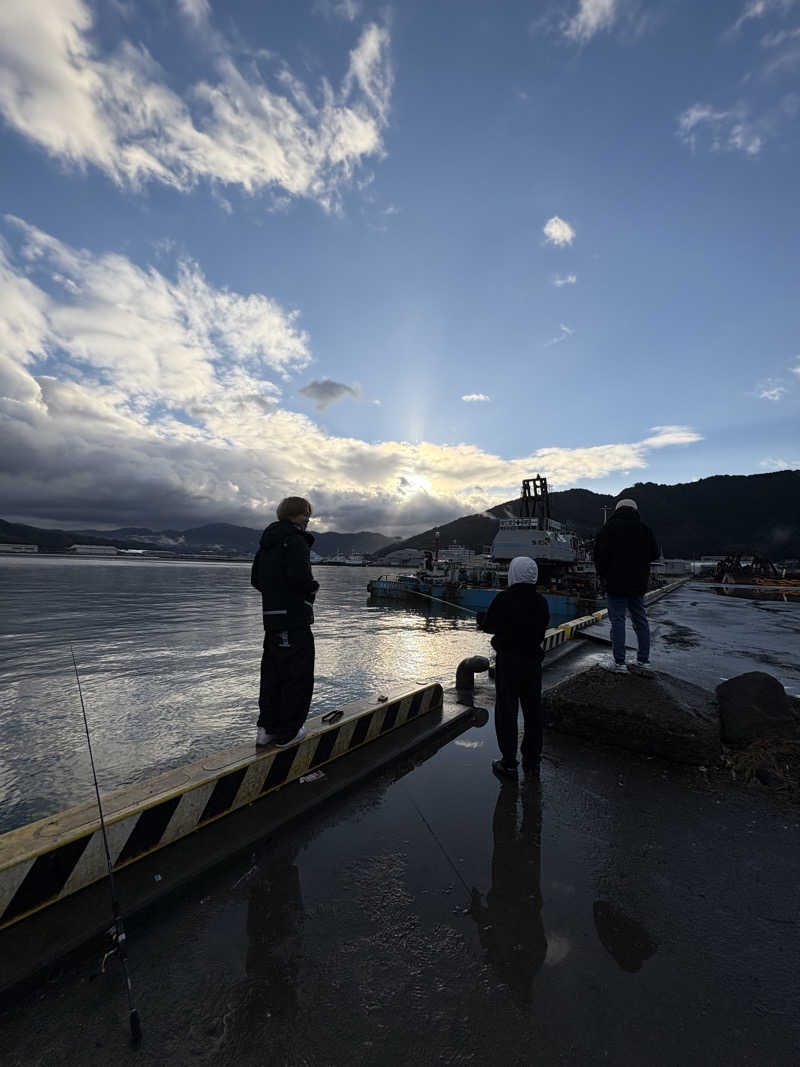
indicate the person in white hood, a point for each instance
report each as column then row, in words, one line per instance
column 518, row 617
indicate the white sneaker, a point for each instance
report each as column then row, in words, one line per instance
column 262, row 737
column 301, row 733
column 611, row 664
column 644, row 670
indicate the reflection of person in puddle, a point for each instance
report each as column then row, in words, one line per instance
column 510, row 923
column 275, row 904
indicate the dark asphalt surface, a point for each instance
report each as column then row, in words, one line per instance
column 620, row 911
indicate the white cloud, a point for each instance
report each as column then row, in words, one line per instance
column 134, row 396
column 762, row 114
column 730, row 130
column 349, row 10
column 780, row 37
column 777, row 463
column 758, row 9
column 476, row 398
column 325, row 392
column 664, row 436
column 771, row 390
column 591, row 17
column 197, row 11
column 118, row 112
column 568, row 279
column 566, row 332
column 558, row 232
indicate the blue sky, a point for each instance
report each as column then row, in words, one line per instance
column 391, row 257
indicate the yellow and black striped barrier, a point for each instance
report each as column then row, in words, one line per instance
column 50, row 859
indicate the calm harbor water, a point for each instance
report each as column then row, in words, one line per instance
column 169, row 655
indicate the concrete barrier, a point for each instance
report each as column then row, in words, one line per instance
column 50, row 859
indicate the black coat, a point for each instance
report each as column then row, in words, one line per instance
column 282, row 574
column 623, row 552
column 518, row 617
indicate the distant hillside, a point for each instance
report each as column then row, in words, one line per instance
column 724, row 513
column 364, row 543
column 222, row 538
column 59, row 540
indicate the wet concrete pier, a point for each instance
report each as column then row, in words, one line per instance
column 621, row 911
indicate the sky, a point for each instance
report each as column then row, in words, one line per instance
column 391, row 257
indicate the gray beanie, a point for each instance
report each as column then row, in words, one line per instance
column 626, row 503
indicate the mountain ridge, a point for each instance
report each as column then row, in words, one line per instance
column 719, row 514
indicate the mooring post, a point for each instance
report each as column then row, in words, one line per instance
column 468, row 668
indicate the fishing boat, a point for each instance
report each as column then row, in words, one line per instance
column 567, row 576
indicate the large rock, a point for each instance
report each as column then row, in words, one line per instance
column 662, row 716
column 753, row 706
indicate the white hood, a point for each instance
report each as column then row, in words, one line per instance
column 523, row 569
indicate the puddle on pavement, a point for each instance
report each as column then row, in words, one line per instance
column 680, row 636
column 786, row 596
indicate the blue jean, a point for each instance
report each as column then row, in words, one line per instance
column 616, row 616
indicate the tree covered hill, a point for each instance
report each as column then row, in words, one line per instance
column 724, row 513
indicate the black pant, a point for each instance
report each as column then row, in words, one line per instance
column 287, row 681
column 518, row 680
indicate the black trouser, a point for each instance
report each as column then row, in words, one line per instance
column 287, row 681
column 518, row 680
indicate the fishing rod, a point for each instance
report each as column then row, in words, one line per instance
column 439, row 600
column 119, row 930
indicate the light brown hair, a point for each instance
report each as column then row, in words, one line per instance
column 292, row 506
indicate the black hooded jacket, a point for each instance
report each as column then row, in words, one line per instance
column 518, row 617
column 282, row 574
column 623, row 552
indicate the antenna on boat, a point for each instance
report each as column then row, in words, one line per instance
column 119, row 930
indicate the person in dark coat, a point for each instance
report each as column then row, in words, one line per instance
column 518, row 617
column 282, row 574
column 623, row 552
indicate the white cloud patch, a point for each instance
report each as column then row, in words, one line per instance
column 779, row 463
column 349, row 10
column 759, row 9
column 197, row 11
column 565, row 333
column 764, row 107
column 558, row 232
column 664, row 436
column 568, row 279
column 117, row 110
column 591, row 17
column 476, row 398
column 137, row 396
column 775, row 392
column 730, row 130
column 775, row 40
column 325, row 392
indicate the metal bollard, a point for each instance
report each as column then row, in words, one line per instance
column 468, row 668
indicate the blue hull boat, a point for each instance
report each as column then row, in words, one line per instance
column 410, row 588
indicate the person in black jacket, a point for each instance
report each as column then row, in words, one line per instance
column 623, row 552
column 518, row 617
column 282, row 574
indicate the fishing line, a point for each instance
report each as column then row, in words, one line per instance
column 444, row 851
column 119, row 930
column 439, row 600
